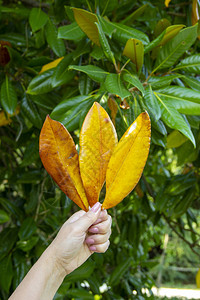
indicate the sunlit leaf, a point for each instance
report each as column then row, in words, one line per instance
column 134, row 50
column 170, row 32
column 167, row 2
column 127, row 161
column 86, row 22
column 51, row 65
column 60, row 158
column 98, row 138
column 113, row 108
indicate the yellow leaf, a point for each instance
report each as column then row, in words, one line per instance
column 60, row 158
column 5, row 119
column 114, row 108
column 195, row 12
column 171, row 32
column 198, row 279
column 86, row 22
column 98, row 138
column 51, row 65
column 134, row 50
column 167, row 2
column 127, row 161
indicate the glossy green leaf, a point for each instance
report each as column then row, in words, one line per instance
column 57, row 45
column 61, row 73
column 8, row 96
column 70, row 32
column 162, row 81
column 85, row 84
column 191, row 82
column 134, row 50
column 190, row 64
column 27, row 229
column 31, row 112
column 172, row 118
column 132, row 17
column 114, row 85
column 176, row 47
column 122, row 33
column 104, row 44
column 6, row 273
column 180, row 93
column 41, row 83
column 153, row 44
column 95, row 73
column 69, row 111
column 27, row 245
column 152, row 103
column 37, row 19
column 134, row 80
column 4, row 217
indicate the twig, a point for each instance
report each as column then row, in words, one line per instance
column 35, row 3
column 180, row 236
column 40, row 199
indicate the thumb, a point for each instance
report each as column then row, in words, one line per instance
column 90, row 217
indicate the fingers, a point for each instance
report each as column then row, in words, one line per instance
column 96, row 239
column 101, row 227
column 99, row 233
column 101, row 248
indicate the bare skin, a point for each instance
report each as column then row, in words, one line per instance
column 79, row 237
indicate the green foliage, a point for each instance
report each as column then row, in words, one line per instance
column 95, row 68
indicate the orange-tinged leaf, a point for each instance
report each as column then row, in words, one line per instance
column 98, row 139
column 51, row 65
column 86, row 22
column 127, row 161
column 60, row 158
column 113, row 107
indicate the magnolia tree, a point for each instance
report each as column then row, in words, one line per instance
column 134, row 58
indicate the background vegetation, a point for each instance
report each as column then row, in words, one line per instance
column 158, row 71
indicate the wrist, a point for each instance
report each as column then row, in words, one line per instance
column 54, row 267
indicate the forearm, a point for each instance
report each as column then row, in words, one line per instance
column 42, row 281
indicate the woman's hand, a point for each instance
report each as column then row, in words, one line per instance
column 80, row 236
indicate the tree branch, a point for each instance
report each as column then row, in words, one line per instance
column 35, row 3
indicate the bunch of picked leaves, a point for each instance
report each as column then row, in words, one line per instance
column 81, row 177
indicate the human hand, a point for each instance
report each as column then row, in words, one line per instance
column 81, row 235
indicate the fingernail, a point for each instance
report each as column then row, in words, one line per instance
column 93, row 248
column 89, row 241
column 96, row 207
column 94, row 230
